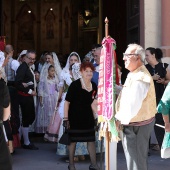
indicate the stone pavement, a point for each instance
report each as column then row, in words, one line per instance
column 46, row 159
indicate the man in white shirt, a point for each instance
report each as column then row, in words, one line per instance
column 10, row 66
column 136, row 109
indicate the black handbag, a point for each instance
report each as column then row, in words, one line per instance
column 65, row 138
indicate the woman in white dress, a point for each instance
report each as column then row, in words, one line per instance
column 46, row 105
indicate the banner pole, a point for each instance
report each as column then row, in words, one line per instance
column 107, row 132
column 106, row 27
column 107, row 151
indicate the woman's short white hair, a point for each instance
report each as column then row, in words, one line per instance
column 139, row 50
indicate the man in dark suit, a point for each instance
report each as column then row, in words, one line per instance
column 25, row 83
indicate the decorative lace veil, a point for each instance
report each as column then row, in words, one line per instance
column 46, row 65
column 22, row 53
column 44, row 75
column 76, row 71
column 65, row 74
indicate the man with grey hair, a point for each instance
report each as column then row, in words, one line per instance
column 136, row 109
column 26, row 90
column 97, row 54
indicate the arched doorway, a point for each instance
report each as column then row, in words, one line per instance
column 74, row 24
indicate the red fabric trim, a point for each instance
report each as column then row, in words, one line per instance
column 16, row 141
column 23, row 94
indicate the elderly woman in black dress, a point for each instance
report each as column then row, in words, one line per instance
column 78, row 114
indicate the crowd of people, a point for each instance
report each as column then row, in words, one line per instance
column 37, row 92
column 44, row 96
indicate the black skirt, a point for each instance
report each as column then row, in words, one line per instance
column 80, row 113
column 87, row 135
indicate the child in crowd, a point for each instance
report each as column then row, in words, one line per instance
column 48, row 94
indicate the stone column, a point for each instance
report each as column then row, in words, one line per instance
column 165, row 27
column 150, row 23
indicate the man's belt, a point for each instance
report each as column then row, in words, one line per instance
column 23, row 94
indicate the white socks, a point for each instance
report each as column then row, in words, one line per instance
column 25, row 131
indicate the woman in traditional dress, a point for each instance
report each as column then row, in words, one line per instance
column 47, row 92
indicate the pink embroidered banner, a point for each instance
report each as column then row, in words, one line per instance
column 106, row 79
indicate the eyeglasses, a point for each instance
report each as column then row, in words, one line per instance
column 32, row 59
column 128, row 55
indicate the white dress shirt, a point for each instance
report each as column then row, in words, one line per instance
column 131, row 100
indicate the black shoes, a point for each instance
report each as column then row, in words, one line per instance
column 91, row 167
column 30, row 147
column 71, row 167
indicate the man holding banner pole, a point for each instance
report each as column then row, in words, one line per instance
column 136, row 109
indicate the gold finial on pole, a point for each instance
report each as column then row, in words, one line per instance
column 106, row 27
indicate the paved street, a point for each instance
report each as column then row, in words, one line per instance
column 46, row 159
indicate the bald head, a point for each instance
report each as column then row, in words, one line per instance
column 9, row 49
